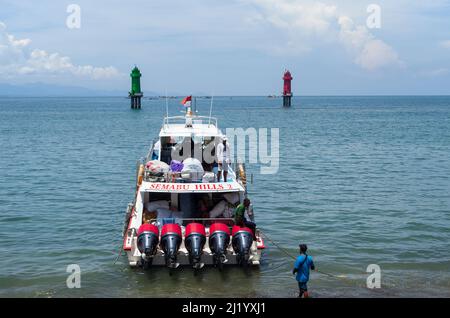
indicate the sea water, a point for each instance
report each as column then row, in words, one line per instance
column 361, row 180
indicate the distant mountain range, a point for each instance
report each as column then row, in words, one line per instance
column 42, row 89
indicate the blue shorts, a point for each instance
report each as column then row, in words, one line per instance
column 302, row 286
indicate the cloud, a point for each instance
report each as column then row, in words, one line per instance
column 11, row 50
column 301, row 20
column 306, row 18
column 371, row 53
column 377, row 54
column 17, row 59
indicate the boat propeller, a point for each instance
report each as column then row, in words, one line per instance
column 170, row 243
column 242, row 242
column 147, row 242
column 195, row 238
column 219, row 239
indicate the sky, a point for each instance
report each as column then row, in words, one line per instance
column 232, row 47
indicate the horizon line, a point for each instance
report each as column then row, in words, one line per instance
column 215, row 96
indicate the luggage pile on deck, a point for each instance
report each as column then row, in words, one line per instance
column 190, row 170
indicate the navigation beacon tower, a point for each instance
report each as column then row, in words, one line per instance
column 287, row 93
column 135, row 93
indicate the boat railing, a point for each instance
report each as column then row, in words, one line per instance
column 176, row 177
column 211, row 121
column 150, row 150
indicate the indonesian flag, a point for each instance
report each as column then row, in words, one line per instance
column 187, row 101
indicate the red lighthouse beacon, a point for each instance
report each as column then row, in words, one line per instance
column 287, row 94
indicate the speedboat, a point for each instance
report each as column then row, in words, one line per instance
column 181, row 213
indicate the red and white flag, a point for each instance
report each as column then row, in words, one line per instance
column 187, row 101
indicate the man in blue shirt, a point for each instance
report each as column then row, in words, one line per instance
column 301, row 267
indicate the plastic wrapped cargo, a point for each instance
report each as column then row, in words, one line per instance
column 154, row 205
column 208, row 177
column 218, row 210
column 228, row 212
column 232, row 197
column 193, row 167
column 157, row 167
column 164, row 213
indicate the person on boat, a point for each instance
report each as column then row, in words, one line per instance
column 156, row 150
column 239, row 216
column 302, row 266
column 223, row 159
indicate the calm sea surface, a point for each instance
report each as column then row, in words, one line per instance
column 361, row 180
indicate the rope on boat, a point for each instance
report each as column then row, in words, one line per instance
column 118, row 256
column 293, row 257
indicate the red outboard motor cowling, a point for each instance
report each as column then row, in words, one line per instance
column 242, row 241
column 147, row 242
column 194, row 240
column 170, row 243
column 219, row 239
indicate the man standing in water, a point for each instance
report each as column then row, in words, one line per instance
column 302, row 265
column 223, row 159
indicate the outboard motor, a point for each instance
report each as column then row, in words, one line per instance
column 194, row 240
column 219, row 239
column 242, row 241
column 170, row 243
column 147, row 242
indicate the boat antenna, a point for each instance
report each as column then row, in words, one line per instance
column 195, row 105
column 210, row 109
column 167, row 105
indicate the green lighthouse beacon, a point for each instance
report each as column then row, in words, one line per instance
column 135, row 93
